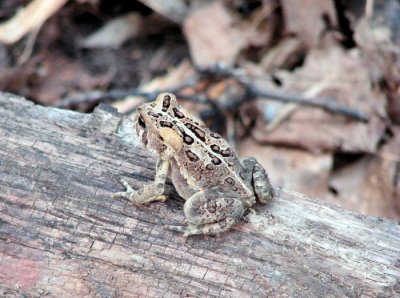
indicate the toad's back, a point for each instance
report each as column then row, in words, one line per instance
column 204, row 159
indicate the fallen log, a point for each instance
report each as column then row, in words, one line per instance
column 61, row 233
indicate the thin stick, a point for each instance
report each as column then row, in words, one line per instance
column 328, row 104
column 97, row 96
column 252, row 92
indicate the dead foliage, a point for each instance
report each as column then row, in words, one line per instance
column 310, row 88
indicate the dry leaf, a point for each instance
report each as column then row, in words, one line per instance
column 212, row 36
column 290, row 168
column 28, row 19
column 379, row 39
column 284, row 55
column 115, row 32
column 305, row 18
column 63, row 76
column 372, row 184
column 345, row 79
column 175, row 10
column 172, row 79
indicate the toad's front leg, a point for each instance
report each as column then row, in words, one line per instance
column 150, row 192
column 210, row 212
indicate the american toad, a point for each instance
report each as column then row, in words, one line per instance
column 206, row 172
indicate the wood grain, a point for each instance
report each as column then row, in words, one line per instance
column 61, row 234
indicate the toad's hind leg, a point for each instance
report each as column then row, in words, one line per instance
column 210, row 212
column 263, row 189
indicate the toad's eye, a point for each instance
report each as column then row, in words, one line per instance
column 141, row 122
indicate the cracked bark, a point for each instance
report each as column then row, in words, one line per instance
column 61, row 234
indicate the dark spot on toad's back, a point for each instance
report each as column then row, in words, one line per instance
column 215, row 160
column 178, row 113
column 215, row 148
column 197, row 131
column 166, row 103
column 191, row 156
column 187, row 139
column 230, row 181
column 226, row 152
column 166, row 124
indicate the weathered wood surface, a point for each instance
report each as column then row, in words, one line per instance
column 61, row 235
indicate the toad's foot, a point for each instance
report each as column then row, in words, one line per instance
column 144, row 195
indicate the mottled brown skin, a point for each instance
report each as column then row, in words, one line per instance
column 205, row 170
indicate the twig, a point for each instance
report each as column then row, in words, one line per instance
column 328, row 104
column 98, row 96
column 324, row 103
column 252, row 92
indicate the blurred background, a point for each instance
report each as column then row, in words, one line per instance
column 310, row 88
